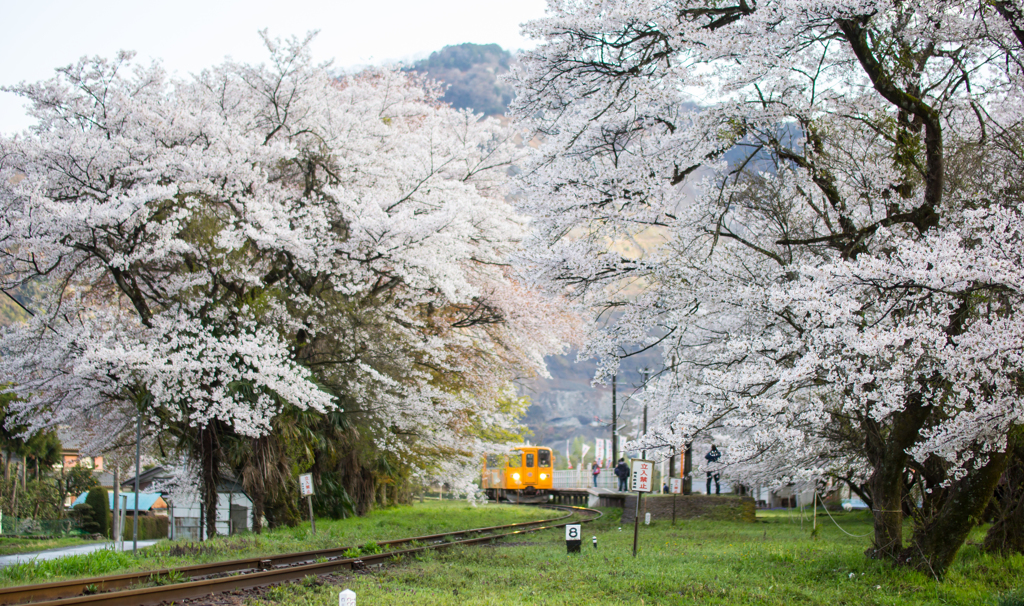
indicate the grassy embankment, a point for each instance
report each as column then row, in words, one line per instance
column 775, row 561
column 392, row 523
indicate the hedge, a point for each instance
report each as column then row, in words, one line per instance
column 150, row 527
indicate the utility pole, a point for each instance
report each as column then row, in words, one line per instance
column 138, row 470
column 643, row 383
column 615, row 426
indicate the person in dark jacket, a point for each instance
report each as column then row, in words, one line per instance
column 622, row 472
column 712, row 457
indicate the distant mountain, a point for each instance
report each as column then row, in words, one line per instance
column 567, row 406
column 10, row 311
column 471, row 73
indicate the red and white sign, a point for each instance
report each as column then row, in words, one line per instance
column 675, row 485
column 306, row 484
column 642, row 474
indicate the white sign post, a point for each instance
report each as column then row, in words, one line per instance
column 306, row 490
column 641, row 479
column 347, row 598
column 573, row 538
column 641, row 475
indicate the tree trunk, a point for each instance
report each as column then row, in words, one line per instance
column 209, row 466
column 1006, row 535
column 688, row 469
column 257, row 513
column 887, row 453
column 936, row 540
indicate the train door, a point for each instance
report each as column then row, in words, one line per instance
column 530, row 469
column 492, row 473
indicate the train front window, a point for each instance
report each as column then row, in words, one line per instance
column 493, row 462
column 544, row 458
column 529, row 459
column 516, row 460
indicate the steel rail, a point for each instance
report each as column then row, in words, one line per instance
column 262, row 570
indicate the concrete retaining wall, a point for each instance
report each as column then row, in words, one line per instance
column 689, row 507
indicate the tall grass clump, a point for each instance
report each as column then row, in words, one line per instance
column 103, row 561
column 1014, row 598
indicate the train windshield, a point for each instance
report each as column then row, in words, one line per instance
column 529, row 459
column 544, row 458
column 516, row 460
column 494, row 461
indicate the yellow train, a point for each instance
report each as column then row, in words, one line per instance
column 524, row 476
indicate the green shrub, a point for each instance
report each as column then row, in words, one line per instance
column 150, row 527
column 97, row 499
column 85, row 517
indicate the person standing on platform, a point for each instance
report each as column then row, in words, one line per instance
column 595, row 470
column 712, row 457
column 622, row 472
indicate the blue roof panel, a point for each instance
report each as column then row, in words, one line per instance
column 146, row 500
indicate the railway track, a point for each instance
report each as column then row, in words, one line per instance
column 207, row 579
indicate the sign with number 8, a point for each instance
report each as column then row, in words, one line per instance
column 572, row 532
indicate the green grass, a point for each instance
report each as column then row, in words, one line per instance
column 772, row 562
column 103, row 561
column 391, row 523
column 13, row 545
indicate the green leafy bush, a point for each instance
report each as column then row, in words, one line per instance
column 97, row 499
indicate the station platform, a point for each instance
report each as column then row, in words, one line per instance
column 591, row 497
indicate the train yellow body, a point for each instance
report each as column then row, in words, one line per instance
column 525, row 476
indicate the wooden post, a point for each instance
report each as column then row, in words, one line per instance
column 636, row 521
column 312, row 520
column 674, row 508
column 117, row 505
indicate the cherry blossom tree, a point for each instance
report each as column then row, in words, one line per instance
column 812, row 210
column 262, row 238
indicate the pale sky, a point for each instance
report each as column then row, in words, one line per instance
column 188, row 35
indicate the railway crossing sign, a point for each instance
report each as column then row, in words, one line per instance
column 306, row 484
column 675, row 486
column 642, row 475
column 573, row 538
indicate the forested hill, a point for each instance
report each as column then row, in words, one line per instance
column 471, row 73
column 11, row 312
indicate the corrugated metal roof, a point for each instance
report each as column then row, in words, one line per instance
column 146, row 500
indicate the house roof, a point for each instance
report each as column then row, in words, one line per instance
column 156, row 473
column 147, row 501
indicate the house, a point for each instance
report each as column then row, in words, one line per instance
column 234, row 507
column 72, row 456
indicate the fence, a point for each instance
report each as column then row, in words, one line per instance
column 582, row 478
column 12, row 526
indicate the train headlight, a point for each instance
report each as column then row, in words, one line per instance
column 543, row 476
column 515, row 477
